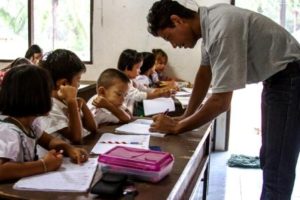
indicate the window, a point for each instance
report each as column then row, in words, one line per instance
column 284, row 12
column 14, row 29
column 53, row 24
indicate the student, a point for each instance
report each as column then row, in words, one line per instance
column 69, row 118
column 17, row 62
column 161, row 60
column 130, row 62
column 34, row 54
column 107, row 105
column 26, row 95
column 239, row 47
column 159, row 76
column 146, row 70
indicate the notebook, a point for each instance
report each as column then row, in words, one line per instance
column 158, row 105
column 109, row 140
column 70, row 177
column 139, row 126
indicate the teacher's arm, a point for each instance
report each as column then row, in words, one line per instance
column 201, row 85
column 215, row 105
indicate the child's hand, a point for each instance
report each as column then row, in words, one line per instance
column 165, row 92
column 67, row 93
column 80, row 102
column 78, row 155
column 53, row 160
column 100, row 102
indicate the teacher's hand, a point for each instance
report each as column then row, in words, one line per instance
column 164, row 124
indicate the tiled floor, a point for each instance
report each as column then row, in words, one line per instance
column 228, row 183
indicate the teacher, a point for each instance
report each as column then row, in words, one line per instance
column 239, row 47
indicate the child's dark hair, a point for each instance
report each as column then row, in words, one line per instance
column 17, row 62
column 107, row 77
column 148, row 62
column 26, row 91
column 32, row 50
column 128, row 58
column 159, row 53
column 159, row 16
column 61, row 64
column 20, row 61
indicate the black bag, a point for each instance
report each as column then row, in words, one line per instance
column 110, row 185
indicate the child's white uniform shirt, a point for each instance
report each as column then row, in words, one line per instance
column 144, row 80
column 137, row 93
column 101, row 115
column 15, row 145
column 58, row 119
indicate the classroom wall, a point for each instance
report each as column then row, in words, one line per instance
column 121, row 24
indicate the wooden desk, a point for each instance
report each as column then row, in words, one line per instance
column 87, row 89
column 191, row 152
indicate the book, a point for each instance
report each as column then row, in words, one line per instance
column 70, row 177
column 109, row 140
column 139, row 126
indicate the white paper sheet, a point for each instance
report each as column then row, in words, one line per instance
column 139, row 126
column 70, row 177
column 158, row 105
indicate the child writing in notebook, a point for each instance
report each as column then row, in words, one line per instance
column 147, row 70
column 107, row 105
column 161, row 60
column 25, row 95
column 34, row 54
column 69, row 118
column 130, row 62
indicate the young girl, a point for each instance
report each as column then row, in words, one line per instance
column 17, row 62
column 147, row 70
column 34, row 54
column 26, row 95
column 160, row 77
column 161, row 60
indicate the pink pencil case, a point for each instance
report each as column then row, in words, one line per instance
column 141, row 164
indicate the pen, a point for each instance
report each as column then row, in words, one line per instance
column 166, row 112
column 60, row 152
column 116, row 142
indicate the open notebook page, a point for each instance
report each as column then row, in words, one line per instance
column 139, row 126
column 158, row 105
column 70, row 177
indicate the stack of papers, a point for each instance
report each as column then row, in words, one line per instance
column 140, row 127
column 110, row 140
column 70, row 177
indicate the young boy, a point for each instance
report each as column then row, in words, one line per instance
column 106, row 106
column 69, row 116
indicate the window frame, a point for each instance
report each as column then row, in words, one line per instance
column 30, row 38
